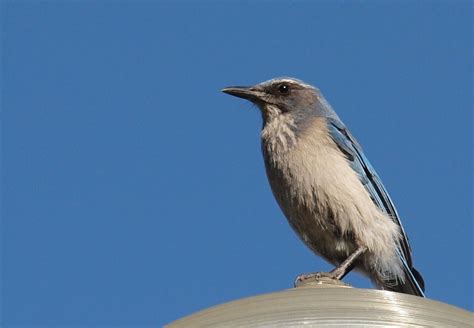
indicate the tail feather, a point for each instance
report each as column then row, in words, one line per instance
column 413, row 283
column 419, row 278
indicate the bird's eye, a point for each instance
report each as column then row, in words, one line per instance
column 283, row 89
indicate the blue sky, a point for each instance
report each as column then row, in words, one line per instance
column 133, row 191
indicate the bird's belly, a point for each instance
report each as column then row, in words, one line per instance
column 318, row 191
column 311, row 216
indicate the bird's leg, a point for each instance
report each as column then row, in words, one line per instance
column 346, row 266
column 337, row 273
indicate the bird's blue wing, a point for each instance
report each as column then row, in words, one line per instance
column 371, row 181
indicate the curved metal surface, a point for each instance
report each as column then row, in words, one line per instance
column 324, row 304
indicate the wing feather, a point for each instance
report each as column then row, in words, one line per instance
column 373, row 184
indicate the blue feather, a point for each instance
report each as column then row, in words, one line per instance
column 371, row 181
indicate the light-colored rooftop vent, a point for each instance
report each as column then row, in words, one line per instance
column 324, row 303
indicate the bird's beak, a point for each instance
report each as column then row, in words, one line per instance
column 249, row 93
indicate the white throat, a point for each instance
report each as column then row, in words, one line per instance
column 278, row 135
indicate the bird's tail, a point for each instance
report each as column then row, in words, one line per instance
column 413, row 283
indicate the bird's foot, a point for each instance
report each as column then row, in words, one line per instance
column 337, row 273
column 316, row 276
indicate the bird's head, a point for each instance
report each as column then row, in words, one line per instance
column 282, row 96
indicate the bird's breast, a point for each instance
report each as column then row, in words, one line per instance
column 309, row 181
column 302, row 165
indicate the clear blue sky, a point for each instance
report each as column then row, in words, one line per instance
column 133, row 191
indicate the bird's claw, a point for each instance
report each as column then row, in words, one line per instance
column 314, row 276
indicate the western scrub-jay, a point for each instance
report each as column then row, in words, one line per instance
column 330, row 194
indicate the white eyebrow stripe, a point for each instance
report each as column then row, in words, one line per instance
column 289, row 80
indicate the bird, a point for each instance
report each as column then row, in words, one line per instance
column 326, row 187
